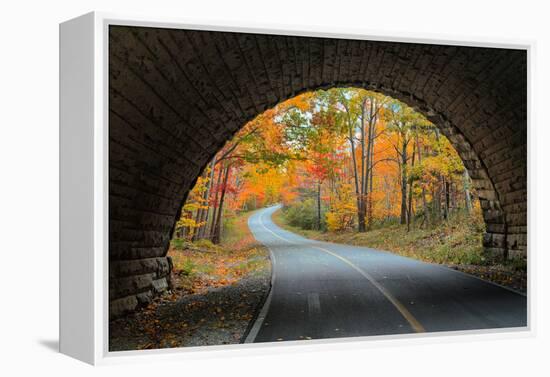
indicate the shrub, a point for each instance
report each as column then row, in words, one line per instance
column 180, row 243
column 205, row 243
column 303, row 215
column 343, row 211
column 188, row 267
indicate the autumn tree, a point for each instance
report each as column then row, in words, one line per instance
column 188, row 225
column 261, row 141
column 359, row 112
column 404, row 125
column 341, row 159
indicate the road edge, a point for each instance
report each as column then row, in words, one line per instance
column 252, row 331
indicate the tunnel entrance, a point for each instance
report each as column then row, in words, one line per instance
column 343, row 160
column 177, row 96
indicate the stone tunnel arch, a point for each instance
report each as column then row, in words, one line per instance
column 176, row 96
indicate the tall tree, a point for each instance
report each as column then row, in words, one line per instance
column 217, row 226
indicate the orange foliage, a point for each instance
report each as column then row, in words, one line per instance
column 289, row 150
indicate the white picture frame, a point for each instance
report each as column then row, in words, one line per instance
column 84, row 191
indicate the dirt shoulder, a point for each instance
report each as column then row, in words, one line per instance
column 216, row 293
column 456, row 244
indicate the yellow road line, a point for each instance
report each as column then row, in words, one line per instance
column 417, row 327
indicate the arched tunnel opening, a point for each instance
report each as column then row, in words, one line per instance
column 178, row 101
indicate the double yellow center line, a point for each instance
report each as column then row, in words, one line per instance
column 417, row 327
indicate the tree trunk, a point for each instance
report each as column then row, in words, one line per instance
column 319, row 205
column 370, row 175
column 358, row 193
column 203, row 212
column 215, row 204
column 446, row 199
column 216, row 237
column 197, row 221
column 436, row 194
column 364, row 172
column 369, row 164
column 404, row 183
column 424, row 202
column 411, row 183
column 387, row 196
column 361, row 226
column 467, row 194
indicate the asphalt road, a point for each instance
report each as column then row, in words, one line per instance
column 325, row 290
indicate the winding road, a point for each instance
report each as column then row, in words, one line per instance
column 325, row 290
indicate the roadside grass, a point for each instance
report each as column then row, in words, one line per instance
column 453, row 242
column 200, row 265
column 456, row 243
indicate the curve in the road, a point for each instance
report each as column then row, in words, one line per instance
column 325, row 290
